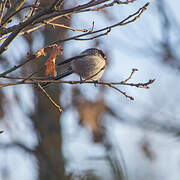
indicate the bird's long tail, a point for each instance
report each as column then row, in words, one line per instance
column 60, row 76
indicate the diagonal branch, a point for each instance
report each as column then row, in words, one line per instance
column 122, row 92
column 67, row 27
column 125, row 21
column 47, row 11
column 49, row 97
column 2, row 8
column 17, row 145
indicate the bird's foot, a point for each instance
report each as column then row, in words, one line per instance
column 95, row 83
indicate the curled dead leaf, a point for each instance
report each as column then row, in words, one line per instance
column 54, row 50
column 51, row 62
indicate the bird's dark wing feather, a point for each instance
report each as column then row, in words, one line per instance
column 60, row 76
column 69, row 60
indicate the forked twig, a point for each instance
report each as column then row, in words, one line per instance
column 35, row 80
column 64, row 26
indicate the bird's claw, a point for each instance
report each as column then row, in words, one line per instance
column 95, row 83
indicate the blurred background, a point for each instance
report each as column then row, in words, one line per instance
column 101, row 135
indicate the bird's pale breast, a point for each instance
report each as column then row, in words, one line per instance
column 89, row 67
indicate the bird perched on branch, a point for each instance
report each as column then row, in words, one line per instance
column 89, row 65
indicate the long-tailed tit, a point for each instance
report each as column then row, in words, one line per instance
column 89, row 65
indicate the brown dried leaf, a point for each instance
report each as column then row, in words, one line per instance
column 41, row 52
column 50, row 63
column 54, row 50
column 45, row 50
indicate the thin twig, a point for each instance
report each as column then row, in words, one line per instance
column 110, row 84
column 3, row 4
column 41, row 13
column 36, row 4
column 58, row 15
column 14, row 13
column 11, row 37
column 25, row 31
column 107, row 5
column 124, row 2
column 56, row 3
column 92, row 28
column 71, row 11
column 35, row 80
column 50, row 16
column 16, row 6
column 32, row 74
column 28, row 15
column 121, row 23
column 141, row 85
column 5, row 31
column 24, row 78
column 16, row 67
column 49, row 97
column 122, row 92
column 94, row 37
column 67, row 27
column 59, row 4
column 44, row 79
column 133, row 71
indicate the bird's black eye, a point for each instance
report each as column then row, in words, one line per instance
column 102, row 54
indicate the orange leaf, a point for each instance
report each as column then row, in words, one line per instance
column 41, row 52
column 50, row 63
column 54, row 50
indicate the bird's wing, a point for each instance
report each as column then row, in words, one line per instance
column 60, row 76
column 69, row 60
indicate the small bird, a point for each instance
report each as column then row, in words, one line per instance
column 89, row 65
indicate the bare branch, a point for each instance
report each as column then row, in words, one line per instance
column 25, row 31
column 14, row 13
column 2, row 8
column 124, row 2
column 122, row 92
column 51, row 15
column 59, row 4
column 67, row 27
column 38, row 80
column 125, row 21
column 16, row 67
column 56, row 15
column 44, row 80
column 16, row 6
column 36, row 5
column 94, row 37
column 107, row 5
column 49, row 97
column 22, row 25
column 16, row 144
column 133, row 71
